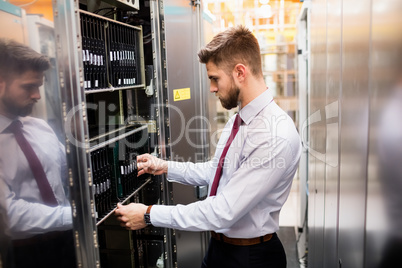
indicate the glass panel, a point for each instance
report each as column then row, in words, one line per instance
column 35, row 212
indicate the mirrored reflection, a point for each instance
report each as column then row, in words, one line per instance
column 35, row 212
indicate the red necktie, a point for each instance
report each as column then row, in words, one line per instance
column 36, row 167
column 218, row 173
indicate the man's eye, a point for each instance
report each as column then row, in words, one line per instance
column 30, row 87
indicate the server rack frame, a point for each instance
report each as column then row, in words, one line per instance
column 74, row 110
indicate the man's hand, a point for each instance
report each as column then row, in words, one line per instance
column 147, row 163
column 131, row 216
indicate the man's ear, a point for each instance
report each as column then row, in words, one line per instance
column 239, row 72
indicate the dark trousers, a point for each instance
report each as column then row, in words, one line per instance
column 268, row 254
column 45, row 251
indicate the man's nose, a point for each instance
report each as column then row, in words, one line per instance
column 213, row 88
column 36, row 94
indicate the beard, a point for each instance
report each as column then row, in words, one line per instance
column 14, row 108
column 25, row 111
column 19, row 111
column 232, row 99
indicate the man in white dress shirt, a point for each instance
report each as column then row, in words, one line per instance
column 243, row 214
column 41, row 233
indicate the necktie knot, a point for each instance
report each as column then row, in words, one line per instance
column 15, row 126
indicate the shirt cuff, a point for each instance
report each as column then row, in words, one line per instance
column 176, row 170
column 67, row 217
column 161, row 216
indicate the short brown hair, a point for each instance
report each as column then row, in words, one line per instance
column 16, row 58
column 232, row 46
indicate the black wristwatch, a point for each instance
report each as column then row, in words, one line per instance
column 147, row 216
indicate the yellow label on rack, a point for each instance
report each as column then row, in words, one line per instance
column 182, row 94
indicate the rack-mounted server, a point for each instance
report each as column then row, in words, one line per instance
column 114, row 168
column 112, row 53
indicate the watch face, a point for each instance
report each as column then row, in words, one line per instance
column 147, row 219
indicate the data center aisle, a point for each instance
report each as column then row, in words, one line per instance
column 288, row 238
column 287, row 223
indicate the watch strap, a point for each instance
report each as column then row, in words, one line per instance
column 147, row 216
column 148, row 209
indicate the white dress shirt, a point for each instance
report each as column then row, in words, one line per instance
column 27, row 215
column 257, row 175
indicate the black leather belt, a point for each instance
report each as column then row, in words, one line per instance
column 241, row 241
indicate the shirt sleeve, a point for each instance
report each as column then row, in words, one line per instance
column 35, row 218
column 196, row 174
column 265, row 169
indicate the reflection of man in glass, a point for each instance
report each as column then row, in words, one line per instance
column 40, row 229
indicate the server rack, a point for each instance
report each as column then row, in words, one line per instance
column 110, row 73
column 354, row 171
column 113, row 82
column 192, row 110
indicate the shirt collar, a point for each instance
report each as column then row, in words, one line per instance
column 5, row 122
column 248, row 112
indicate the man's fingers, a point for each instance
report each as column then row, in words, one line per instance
column 141, row 165
column 117, row 212
column 147, row 163
column 146, row 166
column 140, row 158
column 143, row 157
